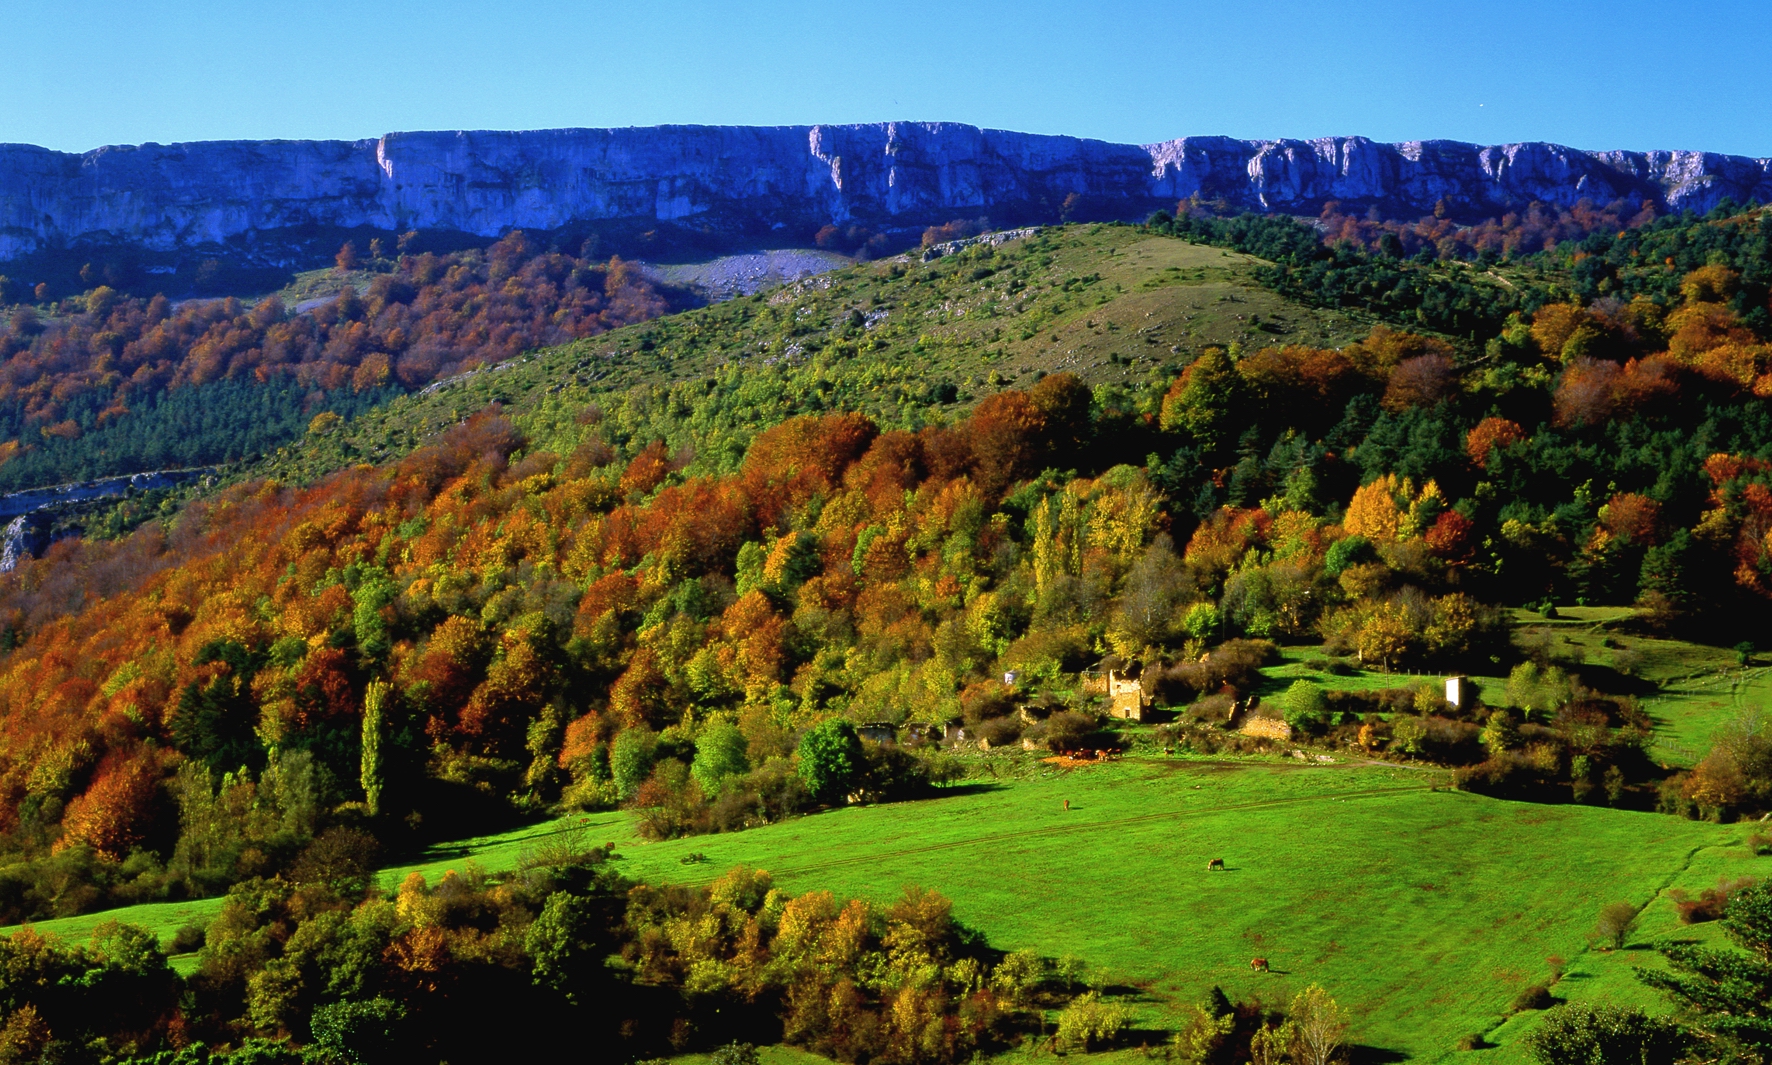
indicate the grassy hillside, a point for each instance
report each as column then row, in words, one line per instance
column 901, row 340
column 1425, row 910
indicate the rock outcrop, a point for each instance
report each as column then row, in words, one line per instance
column 23, row 537
column 734, row 182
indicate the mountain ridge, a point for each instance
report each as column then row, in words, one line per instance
column 732, row 183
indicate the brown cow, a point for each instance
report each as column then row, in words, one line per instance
column 1216, row 863
column 1258, row 964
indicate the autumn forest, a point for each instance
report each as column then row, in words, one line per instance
column 819, row 560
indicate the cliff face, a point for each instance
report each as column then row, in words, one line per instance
column 754, row 180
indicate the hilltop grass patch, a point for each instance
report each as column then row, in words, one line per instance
column 901, row 340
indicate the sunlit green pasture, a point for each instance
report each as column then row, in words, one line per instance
column 1424, row 910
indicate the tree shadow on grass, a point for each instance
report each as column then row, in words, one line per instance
column 1127, row 991
column 1146, row 1038
column 1607, row 679
column 949, row 791
column 1362, row 1054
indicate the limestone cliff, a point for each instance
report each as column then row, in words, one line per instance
column 737, row 181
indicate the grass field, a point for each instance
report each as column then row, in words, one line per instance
column 1301, row 663
column 1423, row 910
column 1690, row 690
column 1688, row 713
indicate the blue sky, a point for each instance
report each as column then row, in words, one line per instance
column 1625, row 74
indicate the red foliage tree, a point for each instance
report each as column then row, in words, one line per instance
column 1421, row 381
column 1634, row 517
column 647, row 470
column 1450, row 535
column 115, row 811
column 1007, row 435
column 1489, row 436
column 790, row 463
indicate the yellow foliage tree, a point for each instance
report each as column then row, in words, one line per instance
column 1390, row 509
column 1058, row 543
column 1373, row 511
column 1423, row 508
column 1124, row 510
column 1385, row 637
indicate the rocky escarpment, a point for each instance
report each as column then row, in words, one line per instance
column 739, row 182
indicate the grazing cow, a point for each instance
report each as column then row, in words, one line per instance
column 1216, row 863
column 1258, row 964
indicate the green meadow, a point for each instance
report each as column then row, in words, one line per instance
column 1690, row 690
column 1424, row 910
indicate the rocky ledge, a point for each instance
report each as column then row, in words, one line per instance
column 749, row 182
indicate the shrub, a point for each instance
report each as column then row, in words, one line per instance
column 985, row 700
column 1335, row 667
column 1536, row 997
column 1429, row 699
column 719, row 755
column 1583, row 1035
column 1711, row 902
column 1507, row 773
column 358, row 1031
column 779, row 789
column 1089, row 1023
column 1234, row 663
column 187, row 940
column 1617, row 919
column 1306, row 710
column 1045, row 652
column 1213, row 709
column 999, row 731
column 734, row 1054
column 891, row 773
column 831, row 760
column 1069, row 730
